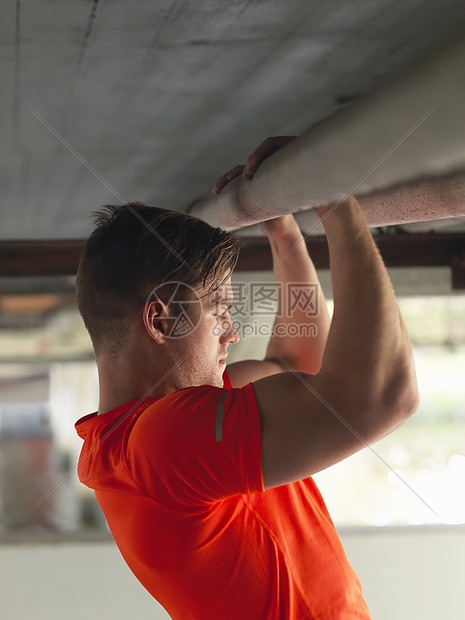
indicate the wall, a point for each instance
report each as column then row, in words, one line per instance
column 406, row 574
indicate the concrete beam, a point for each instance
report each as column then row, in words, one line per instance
column 424, row 201
column 409, row 129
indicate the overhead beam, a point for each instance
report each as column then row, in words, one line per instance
column 406, row 131
column 397, row 250
column 400, row 250
column 59, row 258
column 40, row 258
column 420, row 201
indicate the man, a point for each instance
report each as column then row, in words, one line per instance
column 204, row 473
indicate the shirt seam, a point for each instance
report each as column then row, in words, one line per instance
column 285, row 556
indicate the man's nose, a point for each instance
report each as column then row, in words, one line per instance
column 230, row 333
column 235, row 334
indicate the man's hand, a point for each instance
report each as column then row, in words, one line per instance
column 284, row 226
column 266, row 148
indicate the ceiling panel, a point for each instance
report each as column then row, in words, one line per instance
column 115, row 101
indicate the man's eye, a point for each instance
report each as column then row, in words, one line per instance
column 226, row 309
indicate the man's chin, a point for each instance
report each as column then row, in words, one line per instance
column 219, row 382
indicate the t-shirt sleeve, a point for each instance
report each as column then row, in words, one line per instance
column 198, row 445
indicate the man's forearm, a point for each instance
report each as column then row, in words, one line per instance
column 302, row 323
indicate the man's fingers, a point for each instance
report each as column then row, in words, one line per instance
column 226, row 178
column 260, row 153
column 266, row 148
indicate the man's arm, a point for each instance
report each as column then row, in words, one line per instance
column 302, row 322
column 296, row 269
column 367, row 384
column 301, row 303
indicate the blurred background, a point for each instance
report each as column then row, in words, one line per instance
column 49, row 379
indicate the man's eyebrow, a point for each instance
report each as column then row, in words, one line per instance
column 222, row 300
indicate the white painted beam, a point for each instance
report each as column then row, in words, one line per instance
column 412, row 128
column 434, row 199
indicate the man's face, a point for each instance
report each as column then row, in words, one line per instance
column 205, row 348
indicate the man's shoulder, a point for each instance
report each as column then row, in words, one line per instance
column 181, row 402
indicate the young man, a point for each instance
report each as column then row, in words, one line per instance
column 203, row 473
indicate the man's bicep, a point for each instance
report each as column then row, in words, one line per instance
column 308, row 423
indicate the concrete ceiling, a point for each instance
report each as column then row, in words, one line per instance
column 116, row 101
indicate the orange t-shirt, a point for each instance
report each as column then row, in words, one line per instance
column 179, row 480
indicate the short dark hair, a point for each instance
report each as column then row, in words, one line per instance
column 134, row 248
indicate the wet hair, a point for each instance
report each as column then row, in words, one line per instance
column 135, row 248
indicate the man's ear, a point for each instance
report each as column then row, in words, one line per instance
column 154, row 317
